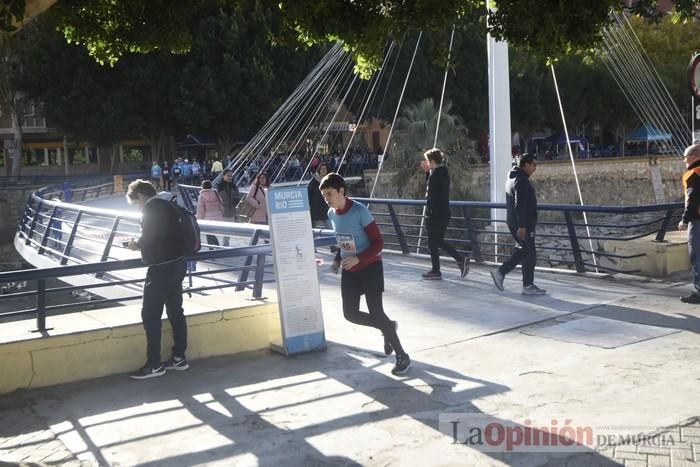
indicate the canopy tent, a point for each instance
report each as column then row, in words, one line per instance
column 648, row 134
column 579, row 144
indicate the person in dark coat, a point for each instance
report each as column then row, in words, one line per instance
column 160, row 244
column 438, row 215
column 521, row 205
column 317, row 205
column 691, row 216
column 230, row 196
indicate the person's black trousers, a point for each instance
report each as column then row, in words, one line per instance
column 163, row 286
column 370, row 282
column 524, row 253
column 436, row 240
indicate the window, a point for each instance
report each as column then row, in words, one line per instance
column 32, row 118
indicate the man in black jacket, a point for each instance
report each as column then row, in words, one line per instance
column 161, row 244
column 521, row 203
column 230, row 196
column 691, row 216
column 438, row 215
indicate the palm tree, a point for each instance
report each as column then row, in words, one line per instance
column 415, row 133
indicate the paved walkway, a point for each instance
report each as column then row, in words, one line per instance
column 620, row 355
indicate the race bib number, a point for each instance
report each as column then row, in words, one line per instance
column 346, row 242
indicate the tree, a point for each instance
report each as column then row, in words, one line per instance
column 551, row 28
column 12, row 98
column 415, row 133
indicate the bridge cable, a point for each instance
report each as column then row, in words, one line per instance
column 573, row 165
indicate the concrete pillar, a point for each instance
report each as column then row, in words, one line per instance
column 58, row 156
column 46, row 156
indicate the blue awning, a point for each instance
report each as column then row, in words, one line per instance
column 648, row 133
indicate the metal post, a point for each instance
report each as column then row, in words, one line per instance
column 397, row 228
column 41, row 305
column 259, row 276
column 69, row 243
column 30, row 233
column 47, row 231
column 248, row 261
column 108, row 245
column 661, row 234
column 500, row 138
column 578, row 259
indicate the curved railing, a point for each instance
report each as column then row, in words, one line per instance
column 563, row 240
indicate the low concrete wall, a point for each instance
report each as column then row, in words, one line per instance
column 661, row 259
column 109, row 341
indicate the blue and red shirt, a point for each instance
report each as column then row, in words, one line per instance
column 357, row 234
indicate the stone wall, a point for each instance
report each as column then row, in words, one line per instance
column 12, row 203
column 618, row 182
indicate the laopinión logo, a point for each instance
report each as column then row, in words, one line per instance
column 544, row 434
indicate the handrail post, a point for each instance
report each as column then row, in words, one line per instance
column 248, row 261
column 108, row 245
column 30, row 233
column 575, row 248
column 41, row 305
column 69, row 242
column 47, row 232
column 399, row 233
column 259, row 276
column 661, row 234
column 473, row 237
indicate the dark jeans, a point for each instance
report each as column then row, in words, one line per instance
column 523, row 253
column 370, row 282
column 436, row 240
column 163, row 286
column 694, row 251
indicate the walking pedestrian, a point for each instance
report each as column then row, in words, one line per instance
column 210, row 207
column 359, row 255
column 438, row 215
column 161, row 244
column 521, row 205
column 691, row 216
column 317, row 205
column 230, row 196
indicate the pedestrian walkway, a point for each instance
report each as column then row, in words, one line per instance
column 594, row 350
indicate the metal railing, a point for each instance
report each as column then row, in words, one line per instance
column 561, row 231
column 563, row 239
column 87, row 240
column 84, row 240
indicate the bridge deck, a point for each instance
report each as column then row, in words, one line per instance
column 594, row 349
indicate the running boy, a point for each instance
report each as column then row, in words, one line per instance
column 360, row 245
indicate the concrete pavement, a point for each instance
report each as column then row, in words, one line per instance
column 598, row 351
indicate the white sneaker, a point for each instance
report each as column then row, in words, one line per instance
column 498, row 277
column 532, row 289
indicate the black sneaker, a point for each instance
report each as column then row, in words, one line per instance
column 148, row 372
column 403, row 363
column 693, row 298
column 388, row 349
column 432, row 276
column 177, row 364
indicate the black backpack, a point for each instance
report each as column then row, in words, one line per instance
column 191, row 242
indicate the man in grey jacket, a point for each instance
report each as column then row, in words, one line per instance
column 521, row 203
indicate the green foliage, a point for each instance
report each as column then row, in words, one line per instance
column 11, row 12
column 549, row 28
column 415, row 133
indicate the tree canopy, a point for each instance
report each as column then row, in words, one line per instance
column 549, row 28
